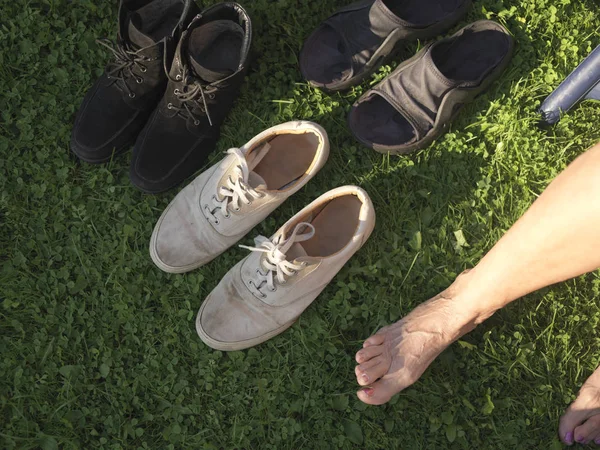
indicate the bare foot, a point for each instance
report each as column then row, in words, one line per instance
column 397, row 355
column 581, row 421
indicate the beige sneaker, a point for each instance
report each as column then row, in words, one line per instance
column 224, row 203
column 267, row 291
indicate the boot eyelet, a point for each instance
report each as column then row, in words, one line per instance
column 132, row 95
column 176, row 91
column 211, row 96
column 178, row 77
column 196, row 122
column 139, row 80
column 170, row 106
column 143, row 69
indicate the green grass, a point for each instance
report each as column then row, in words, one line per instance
column 98, row 347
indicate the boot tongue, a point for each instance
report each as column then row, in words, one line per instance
column 202, row 39
column 136, row 35
column 208, row 75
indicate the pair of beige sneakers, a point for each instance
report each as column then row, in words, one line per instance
column 267, row 291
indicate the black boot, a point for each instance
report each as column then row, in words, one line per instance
column 118, row 105
column 208, row 69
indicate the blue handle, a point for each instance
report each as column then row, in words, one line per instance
column 582, row 84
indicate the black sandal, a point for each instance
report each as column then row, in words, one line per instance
column 414, row 105
column 357, row 40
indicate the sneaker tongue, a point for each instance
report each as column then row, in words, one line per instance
column 296, row 251
column 254, row 158
column 210, row 66
column 136, row 36
column 256, row 181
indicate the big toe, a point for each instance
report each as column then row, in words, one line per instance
column 379, row 392
column 372, row 370
column 576, row 416
column 588, row 431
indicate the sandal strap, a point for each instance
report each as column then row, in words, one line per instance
column 416, row 92
column 363, row 27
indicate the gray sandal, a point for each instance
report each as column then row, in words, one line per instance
column 414, row 105
column 358, row 39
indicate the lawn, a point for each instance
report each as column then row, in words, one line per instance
column 99, row 348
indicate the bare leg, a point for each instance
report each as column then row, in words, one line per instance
column 557, row 239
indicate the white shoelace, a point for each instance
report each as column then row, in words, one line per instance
column 235, row 192
column 275, row 264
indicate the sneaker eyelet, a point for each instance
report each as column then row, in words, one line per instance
column 304, row 264
column 217, row 222
column 196, row 122
column 249, row 203
column 237, row 209
column 273, row 290
column 178, row 77
column 176, row 91
column 143, row 69
column 211, row 96
column 139, row 80
column 170, row 106
column 132, row 95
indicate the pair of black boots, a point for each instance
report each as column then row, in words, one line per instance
column 175, row 75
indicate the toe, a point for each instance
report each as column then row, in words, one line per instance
column 588, row 431
column 576, row 414
column 376, row 339
column 368, row 353
column 371, row 370
column 379, row 392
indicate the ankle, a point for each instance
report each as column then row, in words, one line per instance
column 475, row 301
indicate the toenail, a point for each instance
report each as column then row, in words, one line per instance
column 569, row 437
column 365, row 377
column 597, row 441
column 580, row 439
column 369, row 391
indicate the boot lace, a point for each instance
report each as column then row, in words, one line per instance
column 126, row 59
column 235, row 192
column 275, row 266
column 194, row 95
